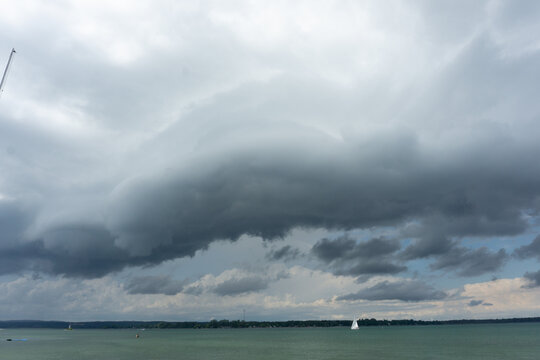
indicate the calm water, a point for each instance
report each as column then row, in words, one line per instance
column 501, row 341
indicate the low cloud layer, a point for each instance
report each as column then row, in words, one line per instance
column 232, row 282
column 405, row 290
column 284, row 253
column 154, row 285
column 345, row 256
column 241, row 286
column 467, row 262
column 529, row 251
column 474, row 303
column 533, row 279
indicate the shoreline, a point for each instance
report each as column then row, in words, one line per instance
column 239, row 324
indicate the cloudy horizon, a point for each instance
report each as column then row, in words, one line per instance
column 310, row 160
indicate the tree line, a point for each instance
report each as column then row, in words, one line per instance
column 239, row 324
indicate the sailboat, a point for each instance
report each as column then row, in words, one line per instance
column 354, row 325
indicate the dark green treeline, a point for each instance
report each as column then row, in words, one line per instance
column 215, row 324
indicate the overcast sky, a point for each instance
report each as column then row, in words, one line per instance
column 187, row 160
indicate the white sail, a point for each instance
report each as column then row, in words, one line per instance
column 354, row 325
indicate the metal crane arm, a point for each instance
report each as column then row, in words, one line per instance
column 4, row 77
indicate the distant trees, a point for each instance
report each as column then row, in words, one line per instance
column 237, row 324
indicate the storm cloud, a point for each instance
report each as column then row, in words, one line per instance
column 235, row 282
column 403, row 290
column 284, row 253
column 346, row 248
column 347, row 257
column 239, row 286
column 533, row 279
column 154, row 285
column 258, row 189
column 467, row 262
column 530, row 250
column 449, row 253
column 260, row 179
column 474, row 303
column 180, row 140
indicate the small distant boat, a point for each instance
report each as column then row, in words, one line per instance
column 69, row 327
column 354, row 325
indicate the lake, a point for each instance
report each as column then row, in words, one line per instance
column 493, row 341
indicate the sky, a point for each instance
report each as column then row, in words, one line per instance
column 192, row 160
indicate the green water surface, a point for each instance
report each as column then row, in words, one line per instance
column 494, row 341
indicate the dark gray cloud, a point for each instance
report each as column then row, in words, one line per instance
column 76, row 251
column 533, row 278
column 235, row 283
column 330, row 250
column 21, row 257
column 404, row 290
column 284, row 253
column 159, row 284
column 345, row 256
column 468, row 262
column 428, row 245
column 371, row 267
column 346, row 248
column 433, row 242
column 474, row 303
column 529, row 251
column 238, row 286
column 13, row 220
column 439, row 234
